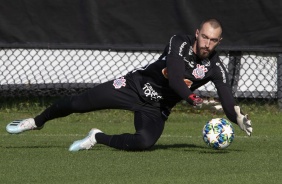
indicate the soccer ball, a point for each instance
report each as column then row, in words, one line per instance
column 218, row 133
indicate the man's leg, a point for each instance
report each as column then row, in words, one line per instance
column 149, row 127
column 103, row 96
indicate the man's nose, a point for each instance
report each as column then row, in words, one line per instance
column 207, row 43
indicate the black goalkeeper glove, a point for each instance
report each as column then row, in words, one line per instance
column 195, row 100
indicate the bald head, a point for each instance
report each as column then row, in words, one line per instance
column 214, row 23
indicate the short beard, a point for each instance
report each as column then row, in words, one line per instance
column 201, row 55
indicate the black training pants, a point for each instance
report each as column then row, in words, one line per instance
column 148, row 119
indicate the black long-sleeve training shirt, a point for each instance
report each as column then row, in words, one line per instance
column 178, row 72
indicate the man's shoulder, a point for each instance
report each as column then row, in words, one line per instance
column 182, row 41
column 185, row 37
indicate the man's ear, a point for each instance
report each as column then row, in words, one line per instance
column 197, row 33
column 220, row 40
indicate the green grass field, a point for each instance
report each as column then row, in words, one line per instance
column 180, row 155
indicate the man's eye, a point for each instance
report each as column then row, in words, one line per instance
column 214, row 40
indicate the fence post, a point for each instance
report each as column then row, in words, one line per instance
column 279, row 80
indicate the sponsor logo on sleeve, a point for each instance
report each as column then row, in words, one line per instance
column 222, row 71
column 181, row 48
column 191, row 51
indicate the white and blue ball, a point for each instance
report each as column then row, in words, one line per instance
column 218, row 133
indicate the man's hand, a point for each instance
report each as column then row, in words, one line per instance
column 195, row 100
column 243, row 121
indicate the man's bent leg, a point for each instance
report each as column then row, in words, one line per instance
column 149, row 127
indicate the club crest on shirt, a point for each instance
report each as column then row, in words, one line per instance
column 118, row 83
column 200, row 71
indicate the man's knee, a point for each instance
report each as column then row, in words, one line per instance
column 132, row 142
column 144, row 143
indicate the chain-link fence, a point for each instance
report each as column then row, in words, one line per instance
column 45, row 72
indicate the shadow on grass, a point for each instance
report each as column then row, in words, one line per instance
column 32, row 147
column 176, row 146
column 192, row 147
column 169, row 147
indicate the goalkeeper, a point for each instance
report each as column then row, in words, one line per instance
column 188, row 62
